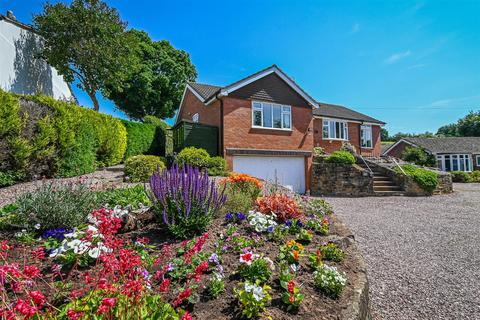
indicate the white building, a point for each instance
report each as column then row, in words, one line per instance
column 21, row 71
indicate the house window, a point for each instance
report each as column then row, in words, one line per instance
column 478, row 161
column 366, row 136
column 195, row 117
column 455, row 162
column 335, row 130
column 271, row 115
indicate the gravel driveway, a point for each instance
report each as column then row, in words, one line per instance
column 423, row 253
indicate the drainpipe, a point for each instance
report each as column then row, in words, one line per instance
column 219, row 97
column 360, row 137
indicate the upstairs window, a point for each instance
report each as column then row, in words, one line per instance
column 335, row 130
column 366, row 136
column 271, row 115
column 195, row 117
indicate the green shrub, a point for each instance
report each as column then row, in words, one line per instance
column 53, row 206
column 217, row 166
column 343, row 157
column 133, row 196
column 140, row 168
column 195, row 157
column 426, row 179
column 318, row 151
column 419, row 157
column 144, row 138
column 475, row 176
column 331, row 252
column 42, row 136
column 460, row 176
column 8, row 178
column 238, row 200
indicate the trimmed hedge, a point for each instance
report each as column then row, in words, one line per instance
column 426, row 179
column 460, row 176
column 40, row 136
column 140, row 168
column 144, row 138
column 198, row 157
column 343, row 157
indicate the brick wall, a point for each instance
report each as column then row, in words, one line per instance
column 354, row 138
column 398, row 150
column 238, row 131
column 207, row 114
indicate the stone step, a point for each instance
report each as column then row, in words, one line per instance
column 388, row 193
column 383, row 183
column 386, row 188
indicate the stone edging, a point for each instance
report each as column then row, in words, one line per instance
column 359, row 307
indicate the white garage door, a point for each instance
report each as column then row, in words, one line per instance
column 287, row 171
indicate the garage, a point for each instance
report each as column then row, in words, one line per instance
column 287, row 171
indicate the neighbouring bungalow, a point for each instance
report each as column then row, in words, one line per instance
column 452, row 153
column 265, row 125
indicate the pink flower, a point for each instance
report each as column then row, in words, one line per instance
column 107, row 304
column 38, row 298
column 186, row 316
column 247, row 258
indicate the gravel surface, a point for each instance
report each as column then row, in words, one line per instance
column 103, row 178
column 423, row 253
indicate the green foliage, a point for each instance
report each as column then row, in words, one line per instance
column 419, row 156
column 143, row 138
column 252, row 298
column 217, row 166
column 291, row 295
column 384, row 136
column 238, row 200
column 56, row 138
column 8, row 178
column 475, row 176
column 328, row 280
column 318, row 151
column 96, row 54
column 426, row 179
column 196, row 157
column 155, row 81
column 8, row 217
column 460, row 176
column 133, row 196
column 316, row 207
column 258, row 270
column 216, row 285
column 140, row 168
column 342, row 157
column 53, row 206
column 331, row 252
column 468, row 126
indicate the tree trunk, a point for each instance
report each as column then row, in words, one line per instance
column 96, row 105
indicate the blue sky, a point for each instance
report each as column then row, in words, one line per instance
column 412, row 64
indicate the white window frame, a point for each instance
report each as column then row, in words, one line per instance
column 461, row 159
column 196, row 117
column 326, row 123
column 283, row 112
column 478, row 160
column 366, row 133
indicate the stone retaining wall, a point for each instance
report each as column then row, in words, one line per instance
column 339, row 179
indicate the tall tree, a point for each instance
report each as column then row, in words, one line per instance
column 153, row 86
column 384, row 134
column 468, row 126
column 85, row 41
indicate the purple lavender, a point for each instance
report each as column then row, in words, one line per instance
column 186, row 199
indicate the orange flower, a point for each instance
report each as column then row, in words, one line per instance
column 296, row 255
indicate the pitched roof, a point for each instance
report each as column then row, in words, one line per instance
column 204, row 90
column 341, row 112
column 448, row 144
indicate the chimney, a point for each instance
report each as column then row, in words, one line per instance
column 10, row 15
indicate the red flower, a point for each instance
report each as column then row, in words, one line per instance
column 38, row 298
column 186, row 316
column 74, row 315
column 31, row 272
column 185, row 294
column 291, row 287
column 38, row 254
column 164, row 285
column 107, row 304
column 25, row 308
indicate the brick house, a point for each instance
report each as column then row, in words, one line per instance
column 452, row 153
column 268, row 125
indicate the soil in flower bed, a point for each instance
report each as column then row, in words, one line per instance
column 315, row 304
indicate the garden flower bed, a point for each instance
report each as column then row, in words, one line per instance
column 190, row 254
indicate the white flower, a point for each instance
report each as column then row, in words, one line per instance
column 94, row 253
column 92, row 229
column 295, row 267
column 257, row 291
column 71, row 235
column 271, row 265
column 54, row 253
column 37, row 226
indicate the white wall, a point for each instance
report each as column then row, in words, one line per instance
column 20, row 71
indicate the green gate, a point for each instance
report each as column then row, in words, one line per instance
column 190, row 134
